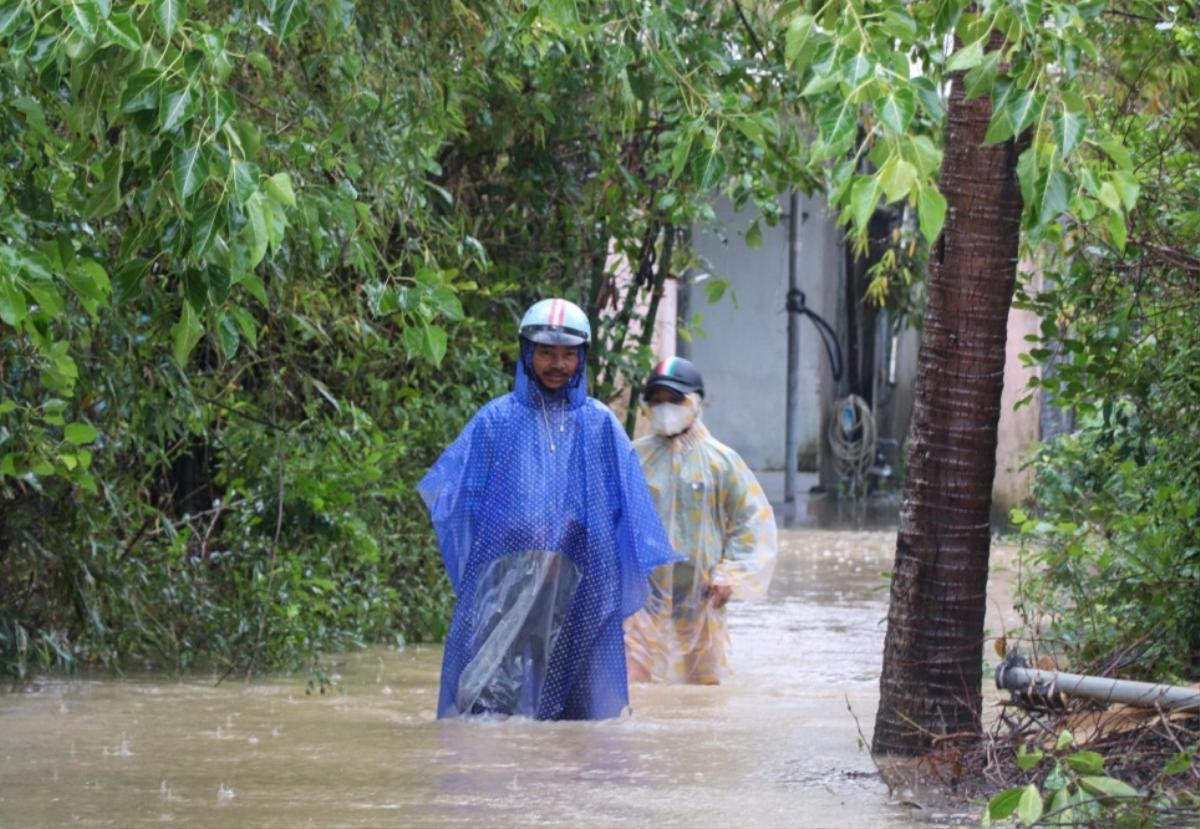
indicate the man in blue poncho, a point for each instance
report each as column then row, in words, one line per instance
column 548, row 534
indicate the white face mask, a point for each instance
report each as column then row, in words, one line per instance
column 671, row 418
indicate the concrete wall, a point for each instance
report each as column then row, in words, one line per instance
column 743, row 354
column 1019, row 430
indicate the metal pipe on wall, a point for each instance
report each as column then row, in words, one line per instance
column 793, row 352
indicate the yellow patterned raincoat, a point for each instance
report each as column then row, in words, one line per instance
column 716, row 514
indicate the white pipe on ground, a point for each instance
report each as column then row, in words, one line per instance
column 1033, row 681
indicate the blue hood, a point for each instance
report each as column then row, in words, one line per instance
column 530, row 391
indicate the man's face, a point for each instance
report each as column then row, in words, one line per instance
column 663, row 395
column 554, row 365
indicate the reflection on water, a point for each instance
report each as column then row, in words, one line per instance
column 775, row 746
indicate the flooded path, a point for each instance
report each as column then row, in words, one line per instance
column 775, row 746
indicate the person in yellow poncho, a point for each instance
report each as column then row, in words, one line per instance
column 717, row 515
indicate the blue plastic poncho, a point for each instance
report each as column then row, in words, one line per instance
column 548, row 534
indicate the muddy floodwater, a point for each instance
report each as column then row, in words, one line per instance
column 778, row 745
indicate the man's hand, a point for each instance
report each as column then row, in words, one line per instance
column 719, row 593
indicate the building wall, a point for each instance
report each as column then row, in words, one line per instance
column 1019, row 429
column 743, row 353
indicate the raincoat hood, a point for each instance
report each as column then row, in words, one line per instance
column 528, row 389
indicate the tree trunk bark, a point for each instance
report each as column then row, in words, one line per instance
column 932, row 659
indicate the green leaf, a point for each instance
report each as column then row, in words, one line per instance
column 754, row 237
column 1073, row 102
column 1108, row 787
column 195, row 288
column 185, row 334
column 931, row 206
column 708, row 170
column 141, row 90
column 177, row 108
column 714, row 289
column 1127, row 188
column 1000, row 127
column 189, row 171
column 256, row 229
column 431, row 277
column 1031, row 13
column 80, row 433
column 435, row 335
column 447, row 303
column 1117, row 152
column 1181, row 762
column 1005, row 803
column 1028, row 759
column 227, row 336
column 821, row 82
column 84, row 17
column 123, row 31
column 838, row 124
column 1058, row 806
column 279, row 188
column 1068, row 130
column 289, row 15
column 1109, row 198
column 245, row 180
column 930, row 96
column 898, row 178
column 898, row 23
column 1023, row 109
column 247, row 325
column 798, row 32
column 981, row 79
column 129, row 278
column 925, row 155
column 560, row 14
column 204, row 229
column 751, row 128
column 966, row 57
column 276, row 223
column 105, row 198
column 220, row 280
column 897, row 109
column 169, row 13
column 1054, row 196
column 1027, row 176
column 425, row 340
column 1029, row 807
column 13, row 307
column 225, row 108
column 680, row 153
column 860, row 67
column 1086, row 762
column 96, row 275
column 1117, row 230
column 255, row 287
column 864, row 199
column 12, row 15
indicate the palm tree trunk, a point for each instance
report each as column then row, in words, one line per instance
column 930, row 686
